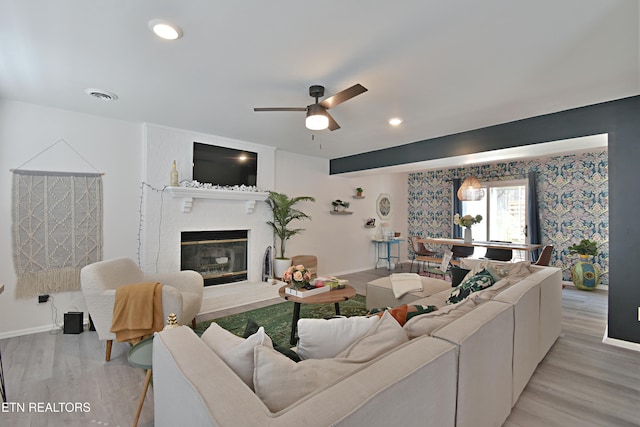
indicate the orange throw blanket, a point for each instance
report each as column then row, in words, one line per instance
column 137, row 311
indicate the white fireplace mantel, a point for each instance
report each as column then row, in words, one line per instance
column 188, row 194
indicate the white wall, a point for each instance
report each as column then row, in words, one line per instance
column 340, row 242
column 111, row 146
column 114, row 147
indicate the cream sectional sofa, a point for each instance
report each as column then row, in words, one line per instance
column 465, row 365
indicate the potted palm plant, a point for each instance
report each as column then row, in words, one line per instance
column 284, row 212
column 584, row 274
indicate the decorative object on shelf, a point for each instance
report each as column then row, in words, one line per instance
column 385, row 232
column 172, row 322
column 371, row 223
column 359, row 191
column 383, row 206
column 284, row 212
column 298, row 277
column 208, row 186
column 584, row 274
column 467, row 221
column 470, row 190
column 173, row 176
column 339, row 205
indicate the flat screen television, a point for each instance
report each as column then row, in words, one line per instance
column 224, row 166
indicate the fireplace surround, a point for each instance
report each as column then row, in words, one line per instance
column 170, row 211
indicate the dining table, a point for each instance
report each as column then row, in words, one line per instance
column 527, row 247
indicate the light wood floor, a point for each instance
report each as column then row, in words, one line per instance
column 582, row 382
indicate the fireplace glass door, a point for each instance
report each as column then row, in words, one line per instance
column 220, row 256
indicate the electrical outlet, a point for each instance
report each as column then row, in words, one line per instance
column 43, row 298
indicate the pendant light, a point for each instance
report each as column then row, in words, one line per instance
column 470, row 190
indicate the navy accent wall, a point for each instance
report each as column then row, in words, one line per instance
column 621, row 120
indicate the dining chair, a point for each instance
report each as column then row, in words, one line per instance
column 443, row 270
column 545, row 256
column 497, row 254
column 420, row 250
column 462, row 251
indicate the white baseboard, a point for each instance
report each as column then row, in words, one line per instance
column 29, row 331
column 600, row 287
column 36, row 330
column 619, row 343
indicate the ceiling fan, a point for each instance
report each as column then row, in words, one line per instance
column 317, row 116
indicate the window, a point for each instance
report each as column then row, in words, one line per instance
column 504, row 212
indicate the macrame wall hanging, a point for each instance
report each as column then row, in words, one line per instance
column 57, row 227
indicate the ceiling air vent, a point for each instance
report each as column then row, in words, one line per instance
column 101, row 94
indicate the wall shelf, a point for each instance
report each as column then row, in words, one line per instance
column 358, row 197
column 340, row 213
column 188, row 194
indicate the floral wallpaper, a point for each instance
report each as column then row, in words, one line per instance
column 573, row 200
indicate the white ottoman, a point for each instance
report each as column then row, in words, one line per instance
column 380, row 293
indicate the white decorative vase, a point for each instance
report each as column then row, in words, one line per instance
column 467, row 235
column 280, row 265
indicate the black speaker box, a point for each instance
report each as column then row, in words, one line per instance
column 73, row 322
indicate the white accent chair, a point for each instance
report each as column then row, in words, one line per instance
column 181, row 293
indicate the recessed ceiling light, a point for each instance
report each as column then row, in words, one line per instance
column 395, row 121
column 101, row 94
column 165, row 29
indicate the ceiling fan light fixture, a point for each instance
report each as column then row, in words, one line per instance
column 395, row 121
column 470, row 190
column 165, row 30
column 317, row 118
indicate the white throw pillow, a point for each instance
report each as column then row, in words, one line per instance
column 236, row 352
column 321, row 339
column 279, row 381
column 384, row 336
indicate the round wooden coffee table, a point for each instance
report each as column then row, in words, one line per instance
column 336, row 297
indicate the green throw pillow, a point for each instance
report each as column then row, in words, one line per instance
column 457, row 275
column 480, row 281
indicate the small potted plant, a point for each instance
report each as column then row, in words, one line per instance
column 585, row 248
column 584, row 274
column 359, row 191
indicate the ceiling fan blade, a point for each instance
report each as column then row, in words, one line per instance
column 345, row 95
column 281, row 109
column 333, row 125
